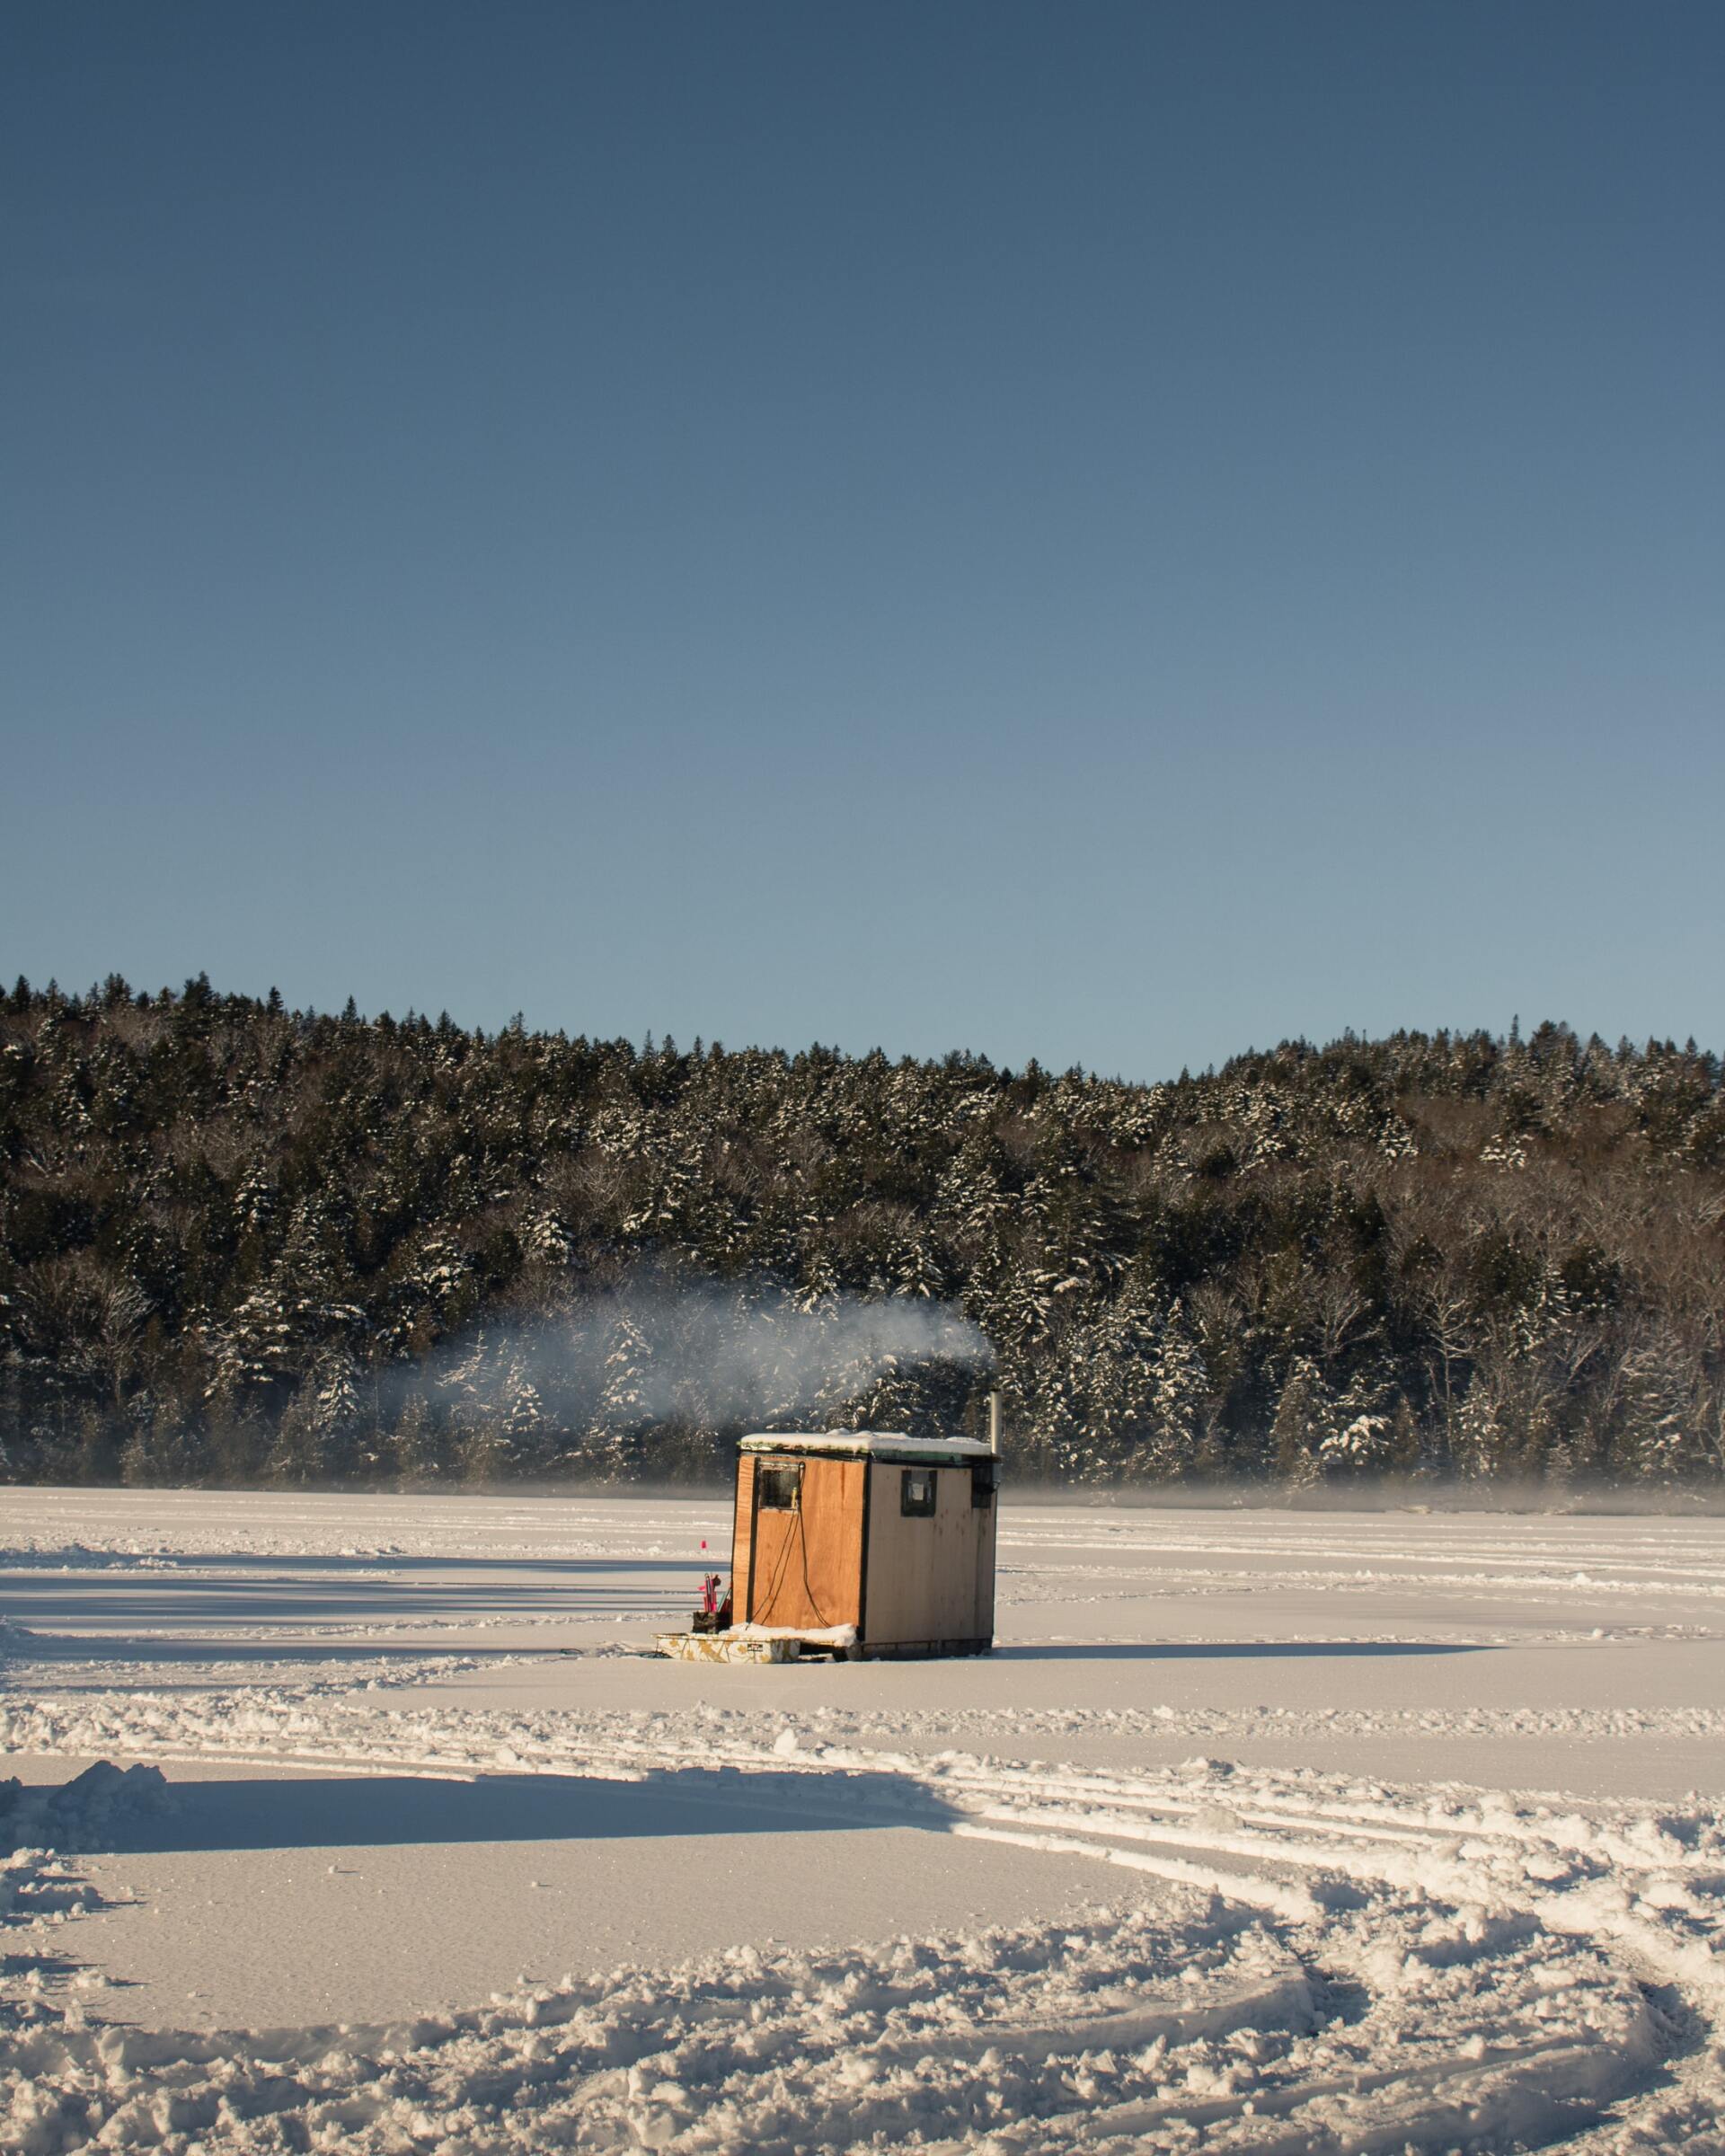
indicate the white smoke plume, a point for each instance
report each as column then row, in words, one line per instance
column 709, row 1356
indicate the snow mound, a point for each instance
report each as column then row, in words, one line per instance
column 81, row 1813
column 811, row 1635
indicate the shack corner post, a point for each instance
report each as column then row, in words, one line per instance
column 862, row 1543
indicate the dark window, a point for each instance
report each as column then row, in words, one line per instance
column 778, row 1488
column 916, row 1493
column 984, row 1478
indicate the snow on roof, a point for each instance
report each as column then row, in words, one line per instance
column 864, row 1442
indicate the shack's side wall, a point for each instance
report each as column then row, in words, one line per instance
column 808, row 1563
column 986, row 1518
column 930, row 1578
column 742, row 1530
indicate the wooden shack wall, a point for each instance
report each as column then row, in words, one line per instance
column 987, row 1517
column 930, row 1578
column 742, row 1535
column 807, row 1564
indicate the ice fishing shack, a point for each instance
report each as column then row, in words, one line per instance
column 890, row 1535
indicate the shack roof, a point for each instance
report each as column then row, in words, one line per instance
column 891, row 1445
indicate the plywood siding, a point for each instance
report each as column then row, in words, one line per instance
column 741, row 1538
column 986, row 1520
column 953, row 1587
column 808, row 1563
column 924, row 1582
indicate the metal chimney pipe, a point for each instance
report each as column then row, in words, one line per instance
column 994, row 1423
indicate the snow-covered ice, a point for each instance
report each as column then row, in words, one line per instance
column 1260, row 1831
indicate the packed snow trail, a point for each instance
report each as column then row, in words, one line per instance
column 1326, row 1965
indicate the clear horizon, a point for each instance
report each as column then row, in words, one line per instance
column 1118, row 535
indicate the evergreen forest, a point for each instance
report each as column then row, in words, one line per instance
column 241, row 1244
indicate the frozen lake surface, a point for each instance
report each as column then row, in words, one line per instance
column 1260, row 1831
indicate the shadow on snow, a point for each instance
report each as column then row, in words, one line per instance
column 371, row 1811
column 1205, row 1650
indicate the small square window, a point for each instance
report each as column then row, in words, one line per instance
column 916, row 1493
column 779, row 1487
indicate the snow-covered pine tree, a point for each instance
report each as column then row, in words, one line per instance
column 1179, row 1388
column 1301, row 1424
column 1661, row 1411
column 612, row 1447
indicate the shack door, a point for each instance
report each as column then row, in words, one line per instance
column 805, row 1558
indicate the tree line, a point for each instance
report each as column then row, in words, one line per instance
column 240, row 1242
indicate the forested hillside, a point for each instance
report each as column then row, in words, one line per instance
column 239, row 1242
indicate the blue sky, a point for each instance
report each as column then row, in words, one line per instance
column 1112, row 534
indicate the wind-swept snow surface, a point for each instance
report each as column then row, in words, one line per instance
column 1260, row 1832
